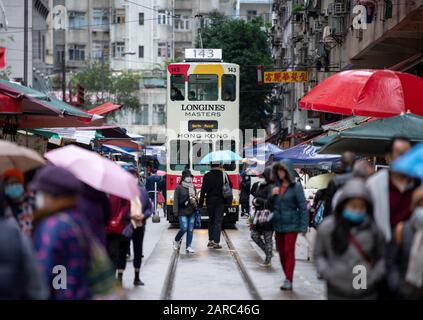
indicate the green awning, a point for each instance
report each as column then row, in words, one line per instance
column 44, row 133
column 325, row 140
column 37, row 102
column 372, row 138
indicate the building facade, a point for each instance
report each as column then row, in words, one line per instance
column 328, row 36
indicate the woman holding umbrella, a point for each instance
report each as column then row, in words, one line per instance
column 185, row 206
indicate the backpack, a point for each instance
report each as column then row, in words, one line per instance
column 317, row 215
column 101, row 273
column 117, row 223
column 227, row 190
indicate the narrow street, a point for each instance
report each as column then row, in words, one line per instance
column 214, row 272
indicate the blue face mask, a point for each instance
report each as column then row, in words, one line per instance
column 354, row 217
column 14, row 191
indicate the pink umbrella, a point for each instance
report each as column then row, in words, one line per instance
column 161, row 173
column 98, row 172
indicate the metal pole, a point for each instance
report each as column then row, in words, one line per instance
column 64, row 75
column 155, row 197
column 26, row 17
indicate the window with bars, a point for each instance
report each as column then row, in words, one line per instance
column 118, row 16
column 140, row 51
column 77, row 20
column 142, row 115
column 100, row 19
column 118, row 48
column 159, row 114
column 77, row 52
column 164, row 17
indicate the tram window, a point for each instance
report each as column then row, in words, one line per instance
column 228, row 87
column 199, row 150
column 222, row 145
column 179, row 155
column 202, row 87
column 177, row 85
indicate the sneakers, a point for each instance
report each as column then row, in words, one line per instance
column 138, row 282
column 287, row 285
column 190, row 250
column 266, row 263
column 216, row 246
column 210, row 244
column 176, row 244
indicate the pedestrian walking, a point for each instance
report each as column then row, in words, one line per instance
column 18, row 202
column 347, row 162
column 184, row 207
column 405, row 254
column 244, row 197
column 262, row 230
column 392, row 191
column 153, row 184
column 140, row 211
column 61, row 235
column 212, row 192
column 290, row 216
column 19, row 274
column 348, row 239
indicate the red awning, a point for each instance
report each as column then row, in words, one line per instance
column 9, row 105
column 36, row 121
column 104, row 108
column 123, row 143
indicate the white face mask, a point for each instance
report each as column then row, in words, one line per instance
column 418, row 216
column 39, row 200
column 188, row 179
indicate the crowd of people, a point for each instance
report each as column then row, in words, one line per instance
column 56, row 221
column 371, row 220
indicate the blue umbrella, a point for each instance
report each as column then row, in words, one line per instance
column 220, row 156
column 411, row 163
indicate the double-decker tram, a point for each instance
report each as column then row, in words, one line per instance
column 202, row 117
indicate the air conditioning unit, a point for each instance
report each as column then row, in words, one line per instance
column 337, row 9
column 313, row 122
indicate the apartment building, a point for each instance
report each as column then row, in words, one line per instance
column 13, row 40
column 328, row 36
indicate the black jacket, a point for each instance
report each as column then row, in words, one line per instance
column 212, row 188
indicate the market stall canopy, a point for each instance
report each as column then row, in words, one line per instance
column 319, row 182
column 261, row 151
column 371, row 139
column 306, row 155
column 10, row 105
column 378, row 93
column 105, row 108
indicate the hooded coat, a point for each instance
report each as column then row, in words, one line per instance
column 261, row 196
column 289, row 210
column 339, row 270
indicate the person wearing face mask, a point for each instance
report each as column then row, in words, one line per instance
column 184, row 207
column 62, row 235
column 405, row 254
column 347, row 239
column 18, row 203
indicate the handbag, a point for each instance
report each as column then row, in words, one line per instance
column 128, row 231
column 116, row 225
column 262, row 216
column 227, row 190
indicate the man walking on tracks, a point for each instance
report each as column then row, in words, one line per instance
column 212, row 190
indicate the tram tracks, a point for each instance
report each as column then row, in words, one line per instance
column 169, row 282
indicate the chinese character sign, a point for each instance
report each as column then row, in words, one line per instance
column 285, row 76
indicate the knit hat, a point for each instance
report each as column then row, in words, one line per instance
column 14, row 173
column 56, row 181
column 186, row 173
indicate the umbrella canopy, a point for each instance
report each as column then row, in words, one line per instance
column 262, row 151
column 411, row 163
column 372, row 138
column 161, row 173
column 319, row 182
column 98, row 172
column 14, row 156
column 220, row 156
column 379, row 93
column 306, row 155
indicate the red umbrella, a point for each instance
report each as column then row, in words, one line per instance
column 377, row 93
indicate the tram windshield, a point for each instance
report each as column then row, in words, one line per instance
column 202, row 87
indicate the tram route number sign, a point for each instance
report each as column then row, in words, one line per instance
column 203, row 54
column 285, row 76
